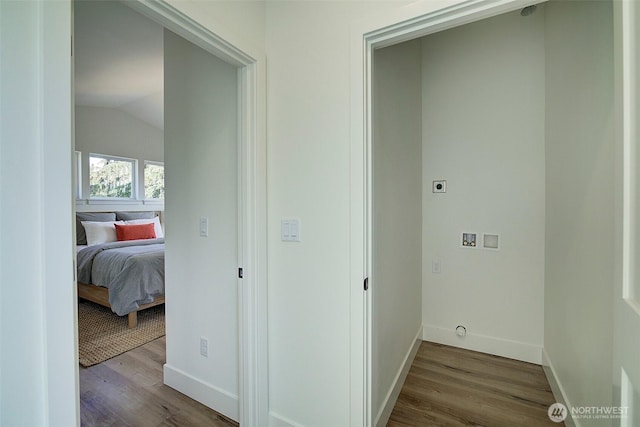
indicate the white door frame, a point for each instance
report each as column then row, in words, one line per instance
column 407, row 23
column 252, row 303
column 626, row 306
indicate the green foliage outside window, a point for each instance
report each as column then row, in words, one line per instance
column 110, row 177
column 153, row 181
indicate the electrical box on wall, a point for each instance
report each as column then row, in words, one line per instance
column 469, row 240
column 439, row 186
column 491, row 241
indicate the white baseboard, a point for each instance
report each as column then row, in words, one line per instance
column 277, row 420
column 556, row 388
column 219, row 400
column 382, row 418
column 484, row 344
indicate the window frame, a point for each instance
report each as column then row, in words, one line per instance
column 134, row 177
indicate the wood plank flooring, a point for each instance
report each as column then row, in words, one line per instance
column 449, row 386
column 446, row 386
column 128, row 391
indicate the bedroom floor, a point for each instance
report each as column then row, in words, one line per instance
column 449, row 386
column 128, row 390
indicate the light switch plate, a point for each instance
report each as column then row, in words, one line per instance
column 290, row 230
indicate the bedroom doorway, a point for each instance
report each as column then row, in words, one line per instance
column 211, row 219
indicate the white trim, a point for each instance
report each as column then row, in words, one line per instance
column 277, row 420
column 57, row 257
column 557, row 389
column 225, row 403
column 406, row 23
column 391, row 398
column 252, row 296
column 485, row 344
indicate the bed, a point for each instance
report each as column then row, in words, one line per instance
column 126, row 275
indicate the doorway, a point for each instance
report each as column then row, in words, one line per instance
column 378, row 37
column 228, row 374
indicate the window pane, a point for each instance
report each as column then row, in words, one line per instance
column 110, row 177
column 153, row 181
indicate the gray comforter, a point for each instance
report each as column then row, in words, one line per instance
column 133, row 271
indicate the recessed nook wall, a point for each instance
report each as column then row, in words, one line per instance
column 483, row 132
column 396, row 275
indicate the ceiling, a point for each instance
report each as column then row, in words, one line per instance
column 119, row 60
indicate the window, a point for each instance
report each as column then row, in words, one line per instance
column 153, row 180
column 111, row 177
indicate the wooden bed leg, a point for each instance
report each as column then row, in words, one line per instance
column 133, row 319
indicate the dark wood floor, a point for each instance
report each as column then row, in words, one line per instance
column 128, row 391
column 449, row 386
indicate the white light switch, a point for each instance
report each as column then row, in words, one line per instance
column 290, row 230
column 204, row 227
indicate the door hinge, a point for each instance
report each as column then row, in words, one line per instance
column 366, row 283
column 240, row 273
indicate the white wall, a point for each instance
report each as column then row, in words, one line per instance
column 201, row 143
column 308, row 178
column 396, row 281
column 580, row 217
column 38, row 362
column 113, row 132
column 483, row 130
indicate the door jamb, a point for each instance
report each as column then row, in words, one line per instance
column 252, row 304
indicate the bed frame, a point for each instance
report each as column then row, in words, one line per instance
column 100, row 295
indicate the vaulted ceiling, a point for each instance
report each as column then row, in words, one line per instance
column 118, row 60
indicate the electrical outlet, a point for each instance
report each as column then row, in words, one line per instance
column 204, row 347
column 436, row 266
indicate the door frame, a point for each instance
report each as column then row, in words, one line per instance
column 252, row 293
column 626, row 305
column 404, row 24
column 252, row 303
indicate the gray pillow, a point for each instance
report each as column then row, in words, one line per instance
column 128, row 216
column 81, row 235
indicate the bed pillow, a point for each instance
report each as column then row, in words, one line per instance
column 155, row 221
column 100, row 231
column 128, row 216
column 81, row 236
column 135, row 231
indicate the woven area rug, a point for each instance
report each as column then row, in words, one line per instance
column 102, row 334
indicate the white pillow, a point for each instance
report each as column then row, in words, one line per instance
column 100, row 232
column 155, row 221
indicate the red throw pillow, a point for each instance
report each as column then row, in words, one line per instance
column 135, row 231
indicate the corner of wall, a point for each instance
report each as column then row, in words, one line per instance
column 392, row 396
column 556, row 388
column 205, row 393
